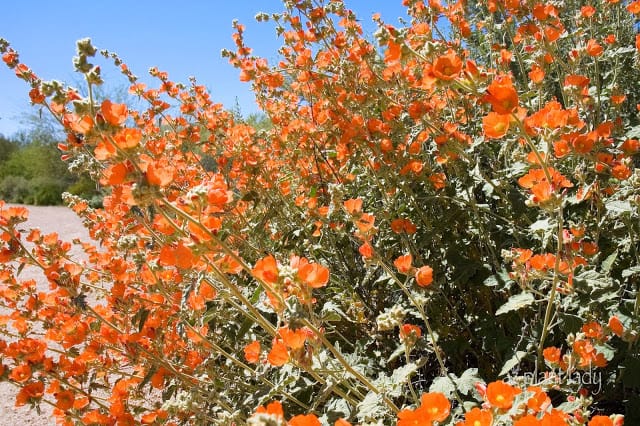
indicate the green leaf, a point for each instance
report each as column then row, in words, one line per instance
column 630, row 271
column 542, row 225
column 500, row 279
column 516, row 302
column 467, row 382
column 617, row 207
column 371, row 408
column 443, row 385
column 512, row 362
column 607, row 264
column 332, row 312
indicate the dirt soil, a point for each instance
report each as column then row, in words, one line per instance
column 68, row 226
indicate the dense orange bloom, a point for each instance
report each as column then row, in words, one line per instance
column 115, row 114
column 495, row 125
column 536, row 181
column 501, row 394
column 403, row 263
column 252, row 352
column 447, row 67
column 439, row 181
column 341, row 422
column 424, row 276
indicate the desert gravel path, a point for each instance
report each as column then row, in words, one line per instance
column 68, row 226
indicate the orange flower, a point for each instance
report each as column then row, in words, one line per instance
column 501, row 394
column 616, row 326
column 77, row 124
column 278, row 355
column 600, row 421
column 366, row 250
column 159, row 175
column 273, row 408
column 314, row 275
column 447, row 67
column 252, row 352
column 31, row 391
column 128, row 138
column 536, row 74
column 410, row 330
column 436, row 405
column 424, row 276
column 403, row 263
column 502, row 96
column 552, row 354
column 365, row 222
column 115, row 174
column 495, row 125
column 21, row 373
column 593, row 330
column 539, row 401
column 587, row 11
column 634, row 7
column 96, row 417
column 65, row 400
column 293, row 339
column 403, row 225
column 593, row 48
column 477, row 417
column 266, row 269
column 341, row 422
column 438, row 180
column 528, row 420
column 353, row 206
column 115, row 114
column 304, row 420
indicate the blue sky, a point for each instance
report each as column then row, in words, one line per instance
column 183, row 38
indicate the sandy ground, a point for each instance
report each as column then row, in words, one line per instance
column 68, row 226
